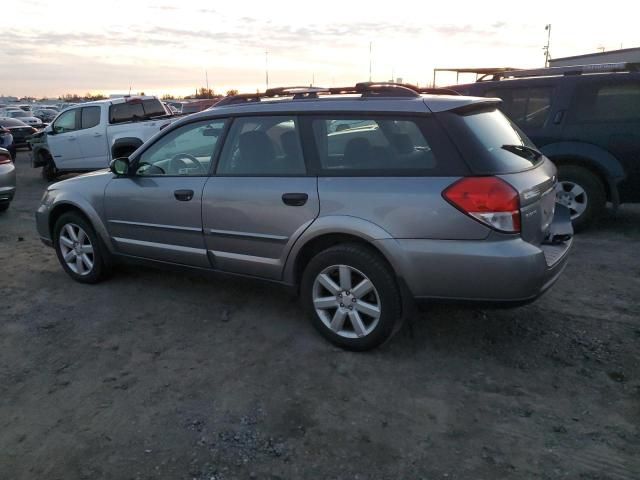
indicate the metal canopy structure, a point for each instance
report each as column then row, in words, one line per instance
column 477, row 71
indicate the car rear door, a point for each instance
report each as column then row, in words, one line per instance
column 156, row 211
column 605, row 111
column 261, row 198
column 92, row 137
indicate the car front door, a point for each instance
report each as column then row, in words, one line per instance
column 261, row 198
column 92, row 139
column 63, row 141
column 155, row 212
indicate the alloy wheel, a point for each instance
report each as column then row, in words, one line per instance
column 346, row 301
column 76, row 249
column 572, row 196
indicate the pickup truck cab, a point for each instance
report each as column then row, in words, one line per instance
column 88, row 136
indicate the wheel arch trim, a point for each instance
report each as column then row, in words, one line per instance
column 65, row 204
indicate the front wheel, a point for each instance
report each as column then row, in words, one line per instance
column 352, row 296
column 79, row 249
column 49, row 170
column 582, row 193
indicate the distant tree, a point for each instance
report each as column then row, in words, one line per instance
column 168, row 96
column 232, row 92
column 202, row 92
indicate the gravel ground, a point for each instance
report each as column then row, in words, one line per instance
column 178, row 376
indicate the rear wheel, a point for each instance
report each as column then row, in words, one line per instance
column 4, row 206
column 352, row 296
column 79, row 250
column 582, row 193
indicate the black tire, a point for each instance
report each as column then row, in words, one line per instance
column 595, row 193
column 369, row 263
column 4, row 206
column 49, row 170
column 101, row 260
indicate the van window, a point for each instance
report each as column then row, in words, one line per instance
column 605, row 102
column 527, row 107
column 381, row 144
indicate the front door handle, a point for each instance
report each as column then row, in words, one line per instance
column 183, row 195
column 295, row 199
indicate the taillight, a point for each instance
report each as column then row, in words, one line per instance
column 4, row 158
column 489, row 200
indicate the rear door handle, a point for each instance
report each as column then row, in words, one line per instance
column 97, row 134
column 295, row 199
column 71, row 138
column 183, row 195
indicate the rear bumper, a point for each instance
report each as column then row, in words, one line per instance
column 494, row 270
column 6, row 194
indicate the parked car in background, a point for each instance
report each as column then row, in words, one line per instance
column 7, row 179
column 23, row 117
column 87, row 136
column 194, row 106
column 20, row 131
column 412, row 198
column 6, row 142
column 25, row 108
column 46, row 115
column 586, row 119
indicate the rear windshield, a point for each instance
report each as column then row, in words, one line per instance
column 136, row 110
column 506, row 148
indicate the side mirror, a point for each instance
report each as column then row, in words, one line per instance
column 119, row 166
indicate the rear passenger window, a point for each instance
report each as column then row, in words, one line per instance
column 602, row 102
column 527, row 107
column 90, row 117
column 262, row 146
column 382, row 144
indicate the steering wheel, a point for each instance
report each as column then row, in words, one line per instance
column 177, row 162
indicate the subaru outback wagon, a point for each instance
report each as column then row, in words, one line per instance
column 363, row 199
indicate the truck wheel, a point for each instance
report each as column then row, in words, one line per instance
column 80, row 252
column 49, row 170
column 352, row 297
column 582, row 193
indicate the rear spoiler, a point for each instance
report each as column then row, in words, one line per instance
column 478, row 105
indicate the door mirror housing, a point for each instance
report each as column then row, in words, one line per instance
column 120, row 166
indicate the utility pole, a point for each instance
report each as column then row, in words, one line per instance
column 370, row 59
column 547, row 56
column 266, row 68
column 206, row 77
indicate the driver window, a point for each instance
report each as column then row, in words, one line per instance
column 66, row 122
column 185, row 151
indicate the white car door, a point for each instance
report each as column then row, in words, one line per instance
column 92, row 138
column 62, row 139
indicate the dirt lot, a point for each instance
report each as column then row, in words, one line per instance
column 164, row 375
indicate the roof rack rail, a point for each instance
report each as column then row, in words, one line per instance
column 365, row 89
column 568, row 70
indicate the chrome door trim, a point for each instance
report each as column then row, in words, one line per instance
column 259, row 236
column 157, row 225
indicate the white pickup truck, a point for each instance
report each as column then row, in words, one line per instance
column 87, row 136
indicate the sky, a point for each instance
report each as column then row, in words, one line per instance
column 50, row 48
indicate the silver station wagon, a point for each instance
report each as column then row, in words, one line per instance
column 362, row 198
